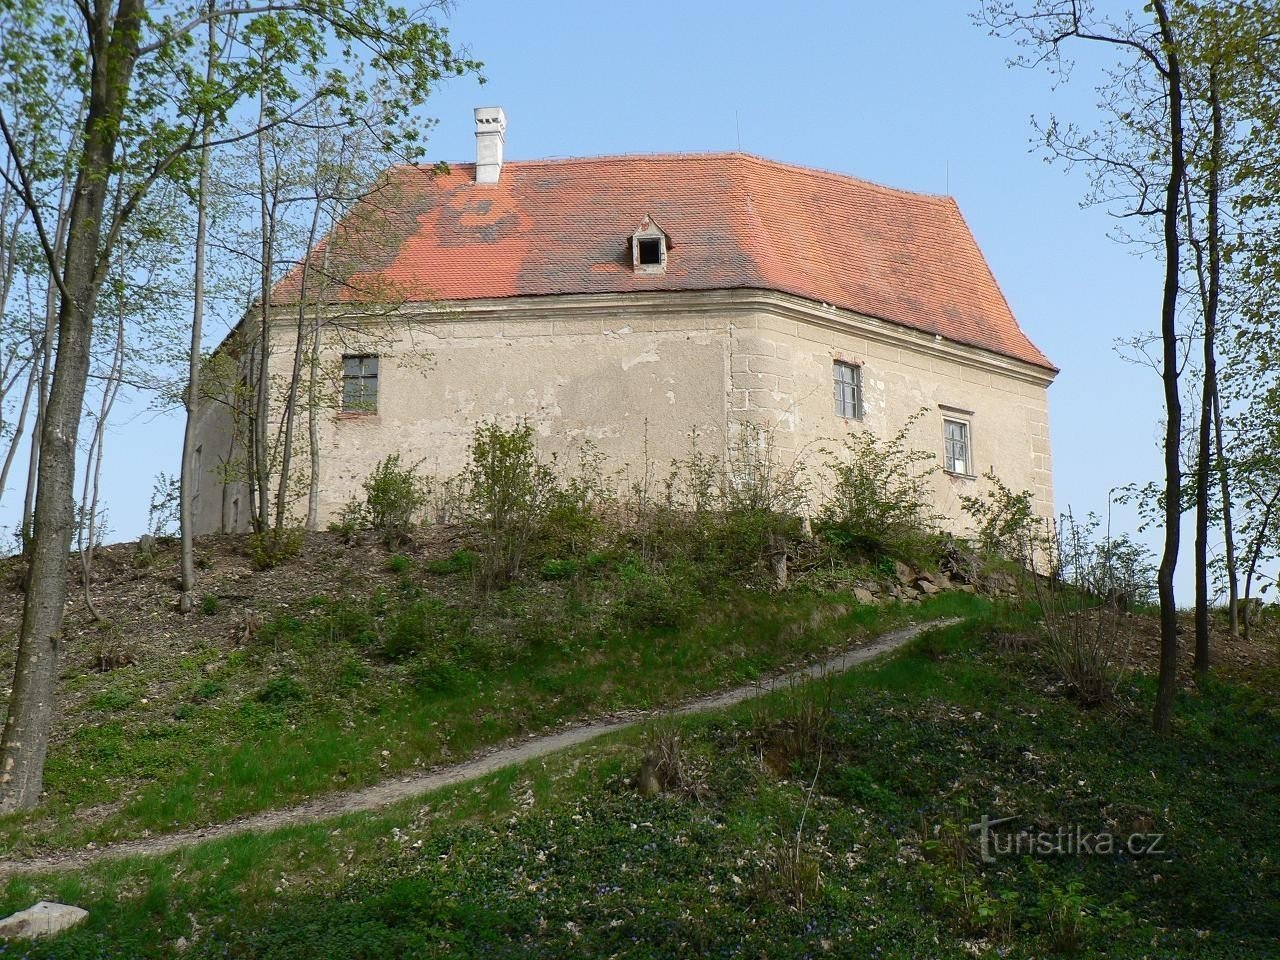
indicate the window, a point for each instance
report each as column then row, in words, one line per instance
column 649, row 246
column 195, row 471
column 848, row 385
column 955, row 435
column 650, row 251
column 235, row 515
column 359, row 383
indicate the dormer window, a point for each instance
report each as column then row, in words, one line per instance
column 649, row 246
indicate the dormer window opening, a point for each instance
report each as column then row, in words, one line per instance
column 650, row 251
column 649, row 247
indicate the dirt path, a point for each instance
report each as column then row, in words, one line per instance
column 389, row 792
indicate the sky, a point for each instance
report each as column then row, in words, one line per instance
column 912, row 95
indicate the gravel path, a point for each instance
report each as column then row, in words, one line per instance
column 388, row 792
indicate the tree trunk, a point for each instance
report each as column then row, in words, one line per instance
column 1168, row 679
column 1228, row 525
column 25, row 741
column 186, row 481
column 88, row 534
column 290, row 412
column 1209, row 387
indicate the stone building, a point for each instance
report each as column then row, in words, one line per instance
column 632, row 300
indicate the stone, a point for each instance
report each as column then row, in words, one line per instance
column 927, row 587
column 864, row 596
column 42, row 920
column 904, row 573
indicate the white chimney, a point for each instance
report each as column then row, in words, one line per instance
column 491, row 128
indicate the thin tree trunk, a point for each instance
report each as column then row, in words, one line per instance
column 1228, row 532
column 1209, row 386
column 266, row 210
column 1251, row 567
column 1168, row 679
column 186, row 481
column 295, row 375
column 114, row 41
column 20, row 427
column 88, row 534
column 313, row 411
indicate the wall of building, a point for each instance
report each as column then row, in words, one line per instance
column 782, row 378
column 637, row 374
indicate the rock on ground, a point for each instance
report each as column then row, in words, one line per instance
column 43, row 920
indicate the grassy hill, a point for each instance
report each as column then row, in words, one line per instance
column 825, row 819
column 829, row 817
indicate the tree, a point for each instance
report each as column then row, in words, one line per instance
column 142, row 75
column 1136, row 159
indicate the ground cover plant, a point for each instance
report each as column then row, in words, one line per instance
column 828, row 819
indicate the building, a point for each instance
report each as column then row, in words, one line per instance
column 632, row 300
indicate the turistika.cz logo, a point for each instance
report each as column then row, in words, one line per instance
column 1064, row 841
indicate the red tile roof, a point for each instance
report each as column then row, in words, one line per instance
column 734, row 221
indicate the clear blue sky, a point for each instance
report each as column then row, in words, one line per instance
column 908, row 94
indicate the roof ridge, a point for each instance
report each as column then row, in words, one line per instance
column 684, row 157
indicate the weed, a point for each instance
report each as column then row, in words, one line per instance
column 210, row 603
column 281, row 690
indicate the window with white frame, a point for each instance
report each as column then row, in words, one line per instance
column 197, row 470
column 955, row 435
column 360, row 383
column 848, row 389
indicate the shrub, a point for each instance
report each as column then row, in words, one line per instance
column 424, row 625
column 730, row 514
column 394, row 498
column 880, row 495
column 399, row 563
column 274, row 547
column 281, row 690
column 460, row 561
column 1088, row 643
column 209, row 604
column 1007, row 525
column 559, row 569
column 653, row 597
column 508, row 491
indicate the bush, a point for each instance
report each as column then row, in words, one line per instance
column 654, row 598
column 508, row 491
column 281, row 690
column 730, row 514
column 1007, row 525
column 1089, row 643
column 394, row 498
column 424, row 625
column 880, row 495
column 274, row 547
column 460, row 561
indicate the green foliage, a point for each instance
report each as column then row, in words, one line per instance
column 880, row 494
column 508, row 492
column 424, row 625
column 399, row 563
column 653, row 597
column 878, row 861
column 210, row 603
column 1007, row 525
column 394, row 498
column 274, row 547
column 281, row 690
column 460, row 561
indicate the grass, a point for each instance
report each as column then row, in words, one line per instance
column 565, row 856
column 339, row 693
